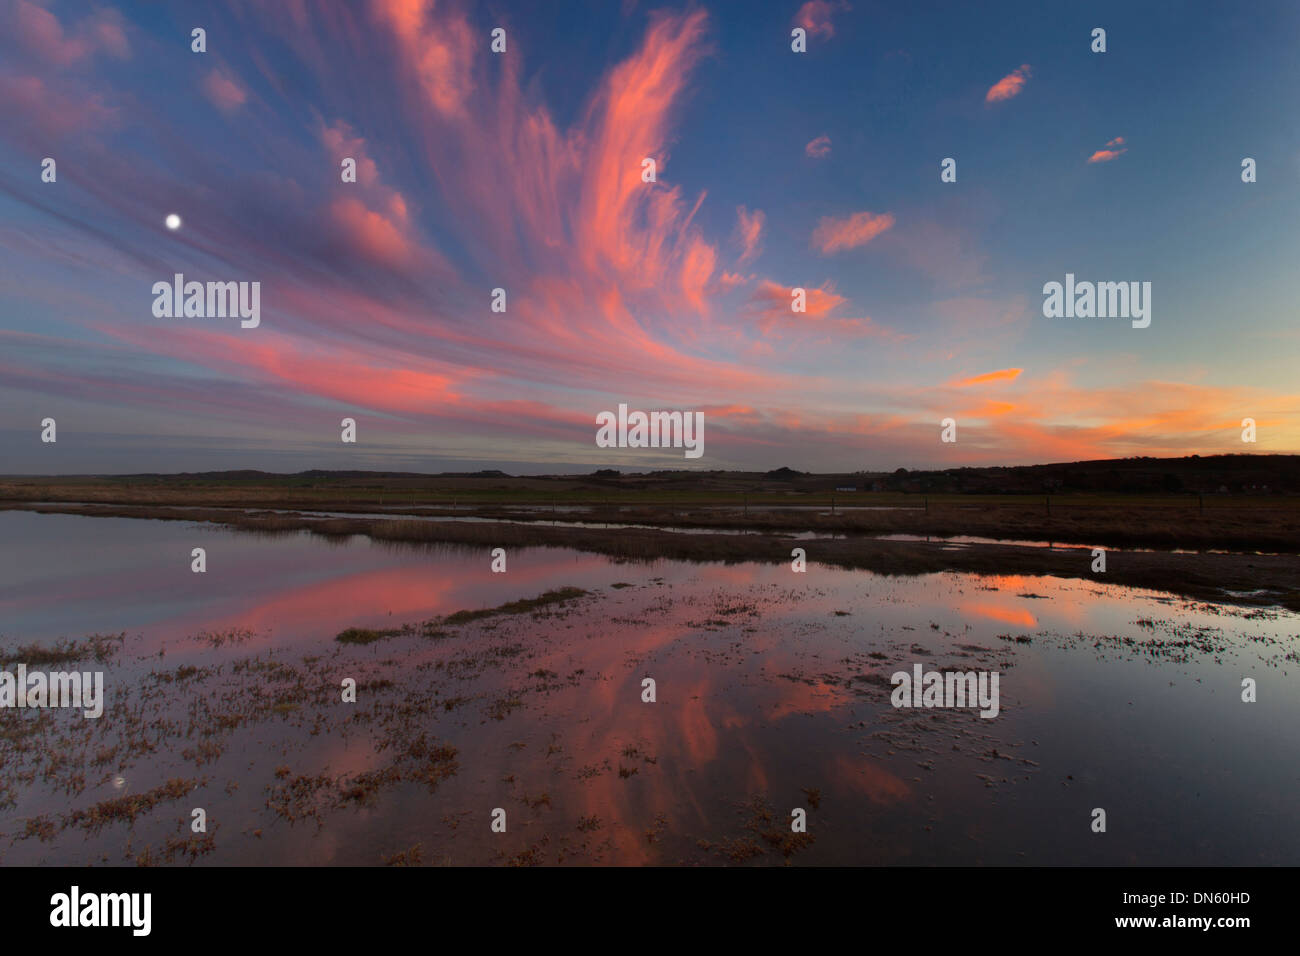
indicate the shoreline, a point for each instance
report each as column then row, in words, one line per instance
column 1260, row 580
column 1245, row 523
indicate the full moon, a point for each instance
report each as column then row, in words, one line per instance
column 173, row 221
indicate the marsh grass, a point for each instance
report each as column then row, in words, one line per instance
column 97, row 647
column 366, row 635
column 434, row 629
column 525, row 606
column 127, row 808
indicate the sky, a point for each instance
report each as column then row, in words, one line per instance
column 523, row 170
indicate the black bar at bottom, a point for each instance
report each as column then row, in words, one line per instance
column 295, row 905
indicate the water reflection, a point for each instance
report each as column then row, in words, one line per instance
column 772, row 692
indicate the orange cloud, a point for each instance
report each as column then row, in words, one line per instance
column 1113, row 149
column 1007, row 615
column 1009, row 86
column 1056, row 421
column 819, row 148
column 988, row 409
column 1002, row 375
column 835, row 235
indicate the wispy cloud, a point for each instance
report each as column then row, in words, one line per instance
column 224, row 91
column 819, row 148
column 42, row 36
column 1002, row 375
column 749, row 231
column 773, row 298
column 815, row 16
column 1009, row 86
column 1113, row 150
column 836, row 235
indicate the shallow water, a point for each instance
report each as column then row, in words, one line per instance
column 556, row 523
column 772, row 694
column 960, row 541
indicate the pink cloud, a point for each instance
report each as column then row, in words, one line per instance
column 1009, row 86
column 749, row 230
column 374, row 219
column 439, row 51
column 697, row 268
column 771, row 304
column 224, row 91
column 107, row 31
column 836, row 235
column 773, row 299
column 731, row 280
column 372, row 234
column 815, row 17
column 819, row 148
column 44, row 112
column 392, row 383
column 631, row 225
column 341, row 143
column 42, row 36
column 568, row 210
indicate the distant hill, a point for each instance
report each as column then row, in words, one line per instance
column 1196, row 474
column 1234, row 474
column 315, row 474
